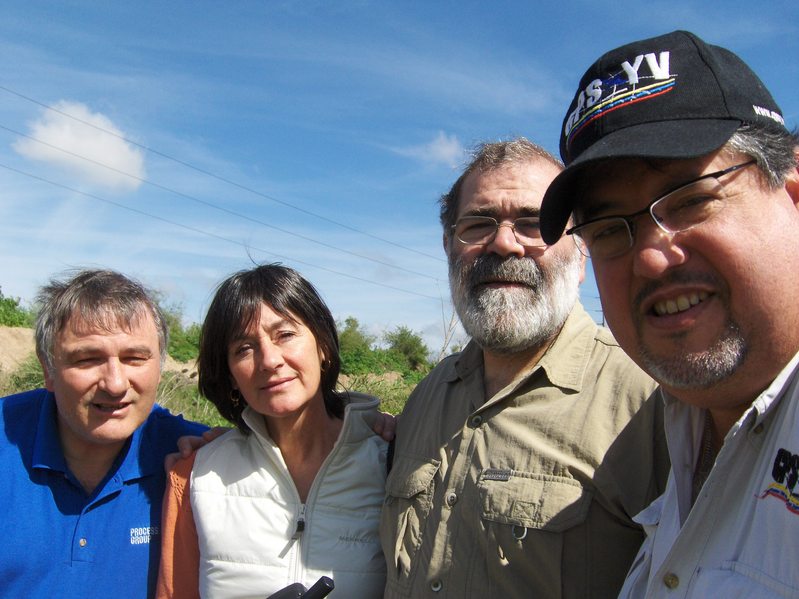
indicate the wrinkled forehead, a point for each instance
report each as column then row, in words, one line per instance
column 507, row 187
column 105, row 320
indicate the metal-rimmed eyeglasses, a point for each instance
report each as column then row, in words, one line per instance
column 481, row 230
column 678, row 210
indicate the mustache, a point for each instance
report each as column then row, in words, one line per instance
column 490, row 268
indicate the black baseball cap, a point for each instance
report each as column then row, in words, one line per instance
column 672, row 96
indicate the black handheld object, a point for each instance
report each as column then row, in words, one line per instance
column 293, row 591
column 321, row 589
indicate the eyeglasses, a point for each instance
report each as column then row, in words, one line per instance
column 678, row 210
column 481, row 230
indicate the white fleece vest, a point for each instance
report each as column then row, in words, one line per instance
column 256, row 537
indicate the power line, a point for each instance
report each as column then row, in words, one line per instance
column 216, row 206
column 219, row 177
column 209, row 234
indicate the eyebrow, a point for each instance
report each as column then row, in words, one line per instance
column 93, row 350
column 284, row 321
column 494, row 212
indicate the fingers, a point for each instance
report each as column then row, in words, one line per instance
column 385, row 426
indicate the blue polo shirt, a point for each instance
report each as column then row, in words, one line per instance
column 57, row 541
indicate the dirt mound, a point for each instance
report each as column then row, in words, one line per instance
column 16, row 344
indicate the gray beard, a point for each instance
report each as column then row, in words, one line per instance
column 513, row 320
column 699, row 370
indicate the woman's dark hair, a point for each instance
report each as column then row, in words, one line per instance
column 236, row 305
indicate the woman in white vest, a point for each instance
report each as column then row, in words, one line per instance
column 294, row 492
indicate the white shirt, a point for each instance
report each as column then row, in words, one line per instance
column 741, row 539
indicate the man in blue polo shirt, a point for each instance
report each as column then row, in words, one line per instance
column 82, row 461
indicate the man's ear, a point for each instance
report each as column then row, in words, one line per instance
column 445, row 241
column 792, row 181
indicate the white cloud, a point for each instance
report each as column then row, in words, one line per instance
column 82, row 145
column 444, row 149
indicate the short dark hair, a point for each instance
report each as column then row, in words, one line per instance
column 236, row 306
column 487, row 157
column 101, row 298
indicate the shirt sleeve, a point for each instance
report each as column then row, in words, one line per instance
column 178, row 574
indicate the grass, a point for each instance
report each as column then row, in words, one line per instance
column 178, row 393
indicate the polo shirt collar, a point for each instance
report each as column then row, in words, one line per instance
column 138, row 459
column 47, row 452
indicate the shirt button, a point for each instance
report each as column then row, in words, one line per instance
column 452, row 499
column 477, row 421
column 671, row 580
column 83, row 542
column 435, row 586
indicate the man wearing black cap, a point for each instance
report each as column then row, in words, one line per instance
column 682, row 181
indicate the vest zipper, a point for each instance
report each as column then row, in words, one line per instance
column 300, row 524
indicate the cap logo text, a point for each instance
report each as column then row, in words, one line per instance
column 771, row 114
column 629, row 84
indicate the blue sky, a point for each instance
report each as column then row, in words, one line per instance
column 318, row 134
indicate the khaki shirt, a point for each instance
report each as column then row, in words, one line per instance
column 529, row 494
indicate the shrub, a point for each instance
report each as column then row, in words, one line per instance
column 12, row 314
column 184, row 343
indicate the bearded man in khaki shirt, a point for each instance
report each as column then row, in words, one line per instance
column 520, row 461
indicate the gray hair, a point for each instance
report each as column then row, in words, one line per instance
column 774, row 150
column 487, row 157
column 100, row 298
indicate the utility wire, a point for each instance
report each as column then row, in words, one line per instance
column 209, row 234
column 217, row 207
column 219, row 177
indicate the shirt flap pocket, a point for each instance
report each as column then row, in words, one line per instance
column 410, row 475
column 540, row 501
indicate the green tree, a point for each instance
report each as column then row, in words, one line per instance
column 410, row 346
column 355, row 348
column 184, row 341
column 353, row 337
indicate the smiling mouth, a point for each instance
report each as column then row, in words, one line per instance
column 110, row 408
column 276, row 383
column 680, row 304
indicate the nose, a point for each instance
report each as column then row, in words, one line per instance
column 113, row 380
column 505, row 242
column 270, row 358
column 655, row 251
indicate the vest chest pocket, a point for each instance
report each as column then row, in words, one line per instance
column 409, row 494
